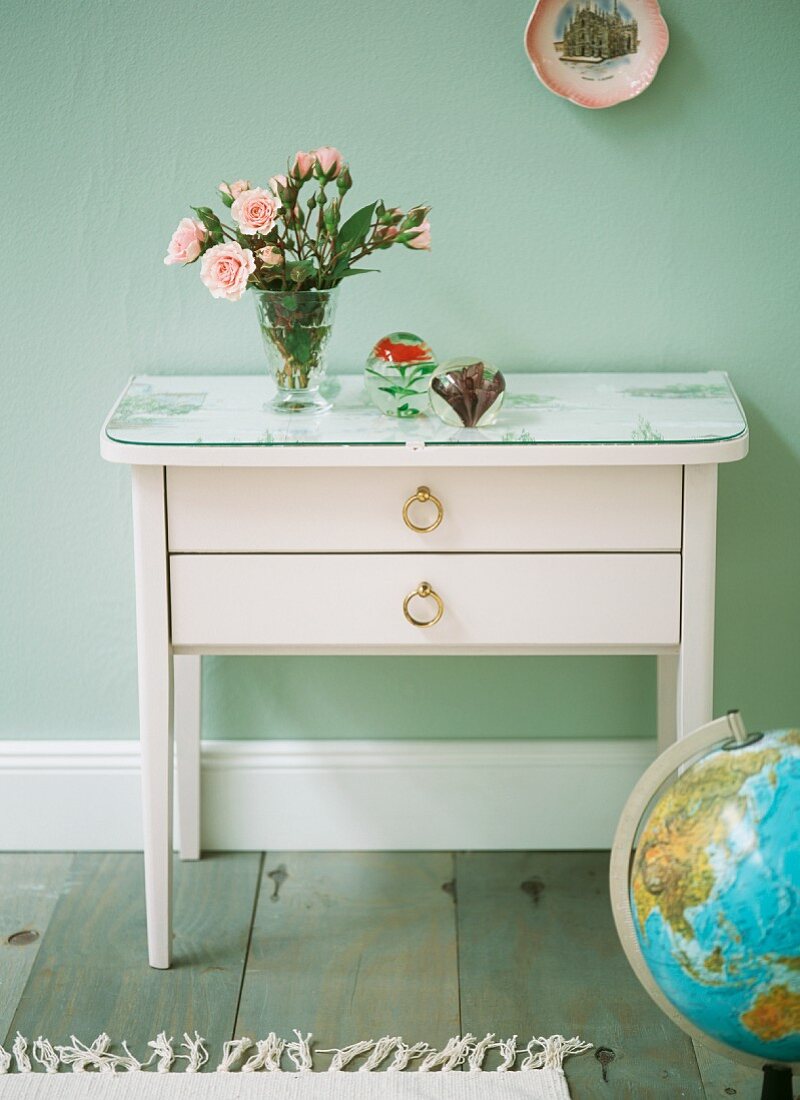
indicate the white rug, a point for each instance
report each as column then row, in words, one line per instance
column 280, row 1070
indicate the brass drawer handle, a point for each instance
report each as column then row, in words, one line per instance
column 424, row 591
column 423, row 495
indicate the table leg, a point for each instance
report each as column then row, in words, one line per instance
column 695, row 680
column 155, row 704
column 187, row 696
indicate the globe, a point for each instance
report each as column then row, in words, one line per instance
column 705, row 883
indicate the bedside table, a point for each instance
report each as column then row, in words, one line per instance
column 583, row 522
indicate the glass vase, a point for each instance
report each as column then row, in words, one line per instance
column 296, row 328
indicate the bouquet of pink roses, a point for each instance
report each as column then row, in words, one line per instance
column 284, row 242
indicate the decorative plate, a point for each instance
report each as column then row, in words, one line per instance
column 596, row 53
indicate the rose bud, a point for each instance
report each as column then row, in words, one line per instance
column 421, row 238
column 415, row 217
column 329, row 163
column 345, row 180
column 234, row 190
column 391, row 216
column 385, row 235
column 270, row 256
column 303, row 166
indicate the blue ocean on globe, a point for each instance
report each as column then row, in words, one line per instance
column 715, row 894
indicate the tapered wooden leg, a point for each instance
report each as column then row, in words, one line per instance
column 186, row 693
column 695, row 686
column 155, row 704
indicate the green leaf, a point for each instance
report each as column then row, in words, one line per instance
column 211, row 222
column 297, row 341
column 354, row 231
column 226, row 198
column 299, row 270
column 356, row 271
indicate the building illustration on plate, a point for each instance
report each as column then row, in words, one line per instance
column 593, row 34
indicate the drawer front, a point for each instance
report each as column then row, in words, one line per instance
column 221, row 510
column 348, row 600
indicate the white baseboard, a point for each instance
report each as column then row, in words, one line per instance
column 330, row 795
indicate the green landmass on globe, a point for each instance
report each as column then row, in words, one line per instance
column 715, row 892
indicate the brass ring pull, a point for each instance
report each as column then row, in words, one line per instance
column 423, row 495
column 424, row 591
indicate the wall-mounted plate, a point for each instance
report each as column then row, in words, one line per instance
column 596, row 53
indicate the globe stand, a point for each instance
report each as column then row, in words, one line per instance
column 777, row 1083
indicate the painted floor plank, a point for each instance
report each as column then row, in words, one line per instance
column 723, row 1078
column 353, row 946
column 538, row 954
column 91, row 973
column 30, row 886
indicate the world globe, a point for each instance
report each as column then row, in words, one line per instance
column 705, row 886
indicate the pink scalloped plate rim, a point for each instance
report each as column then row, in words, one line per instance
column 589, row 84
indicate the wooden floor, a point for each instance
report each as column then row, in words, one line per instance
column 348, row 946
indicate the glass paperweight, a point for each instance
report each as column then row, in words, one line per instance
column 397, row 374
column 467, row 392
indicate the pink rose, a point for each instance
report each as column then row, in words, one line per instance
column 225, row 269
column 255, row 210
column 329, row 162
column 270, row 255
column 303, row 165
column 423, row 237
column 276, row 182
column 234, row 189
column 187, row 240
column 386, row 233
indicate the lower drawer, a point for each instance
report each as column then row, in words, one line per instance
column 354, row 600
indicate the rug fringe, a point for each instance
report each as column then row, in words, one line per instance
column 380, row 1052
column 45, row 1055
column 267, row 1056
column 300, row 1052
column 508, row 1052
column 96, row 1056
column 451, row 1055
column 197, row 1055
column 541, row 1053
column 20, row 1052
column 406, row 1054
column 232, row 1051
column 162, row 1052
column 553, row 1052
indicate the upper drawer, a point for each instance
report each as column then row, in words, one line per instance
column 228, row 509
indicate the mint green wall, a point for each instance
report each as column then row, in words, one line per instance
column 660, row 234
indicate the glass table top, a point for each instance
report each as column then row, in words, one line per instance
column 233, row 410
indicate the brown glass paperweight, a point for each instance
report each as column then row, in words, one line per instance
column 467, row 392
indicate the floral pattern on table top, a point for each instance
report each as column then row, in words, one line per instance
column 143, row 408
column 681, row 389
column 233, row 410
